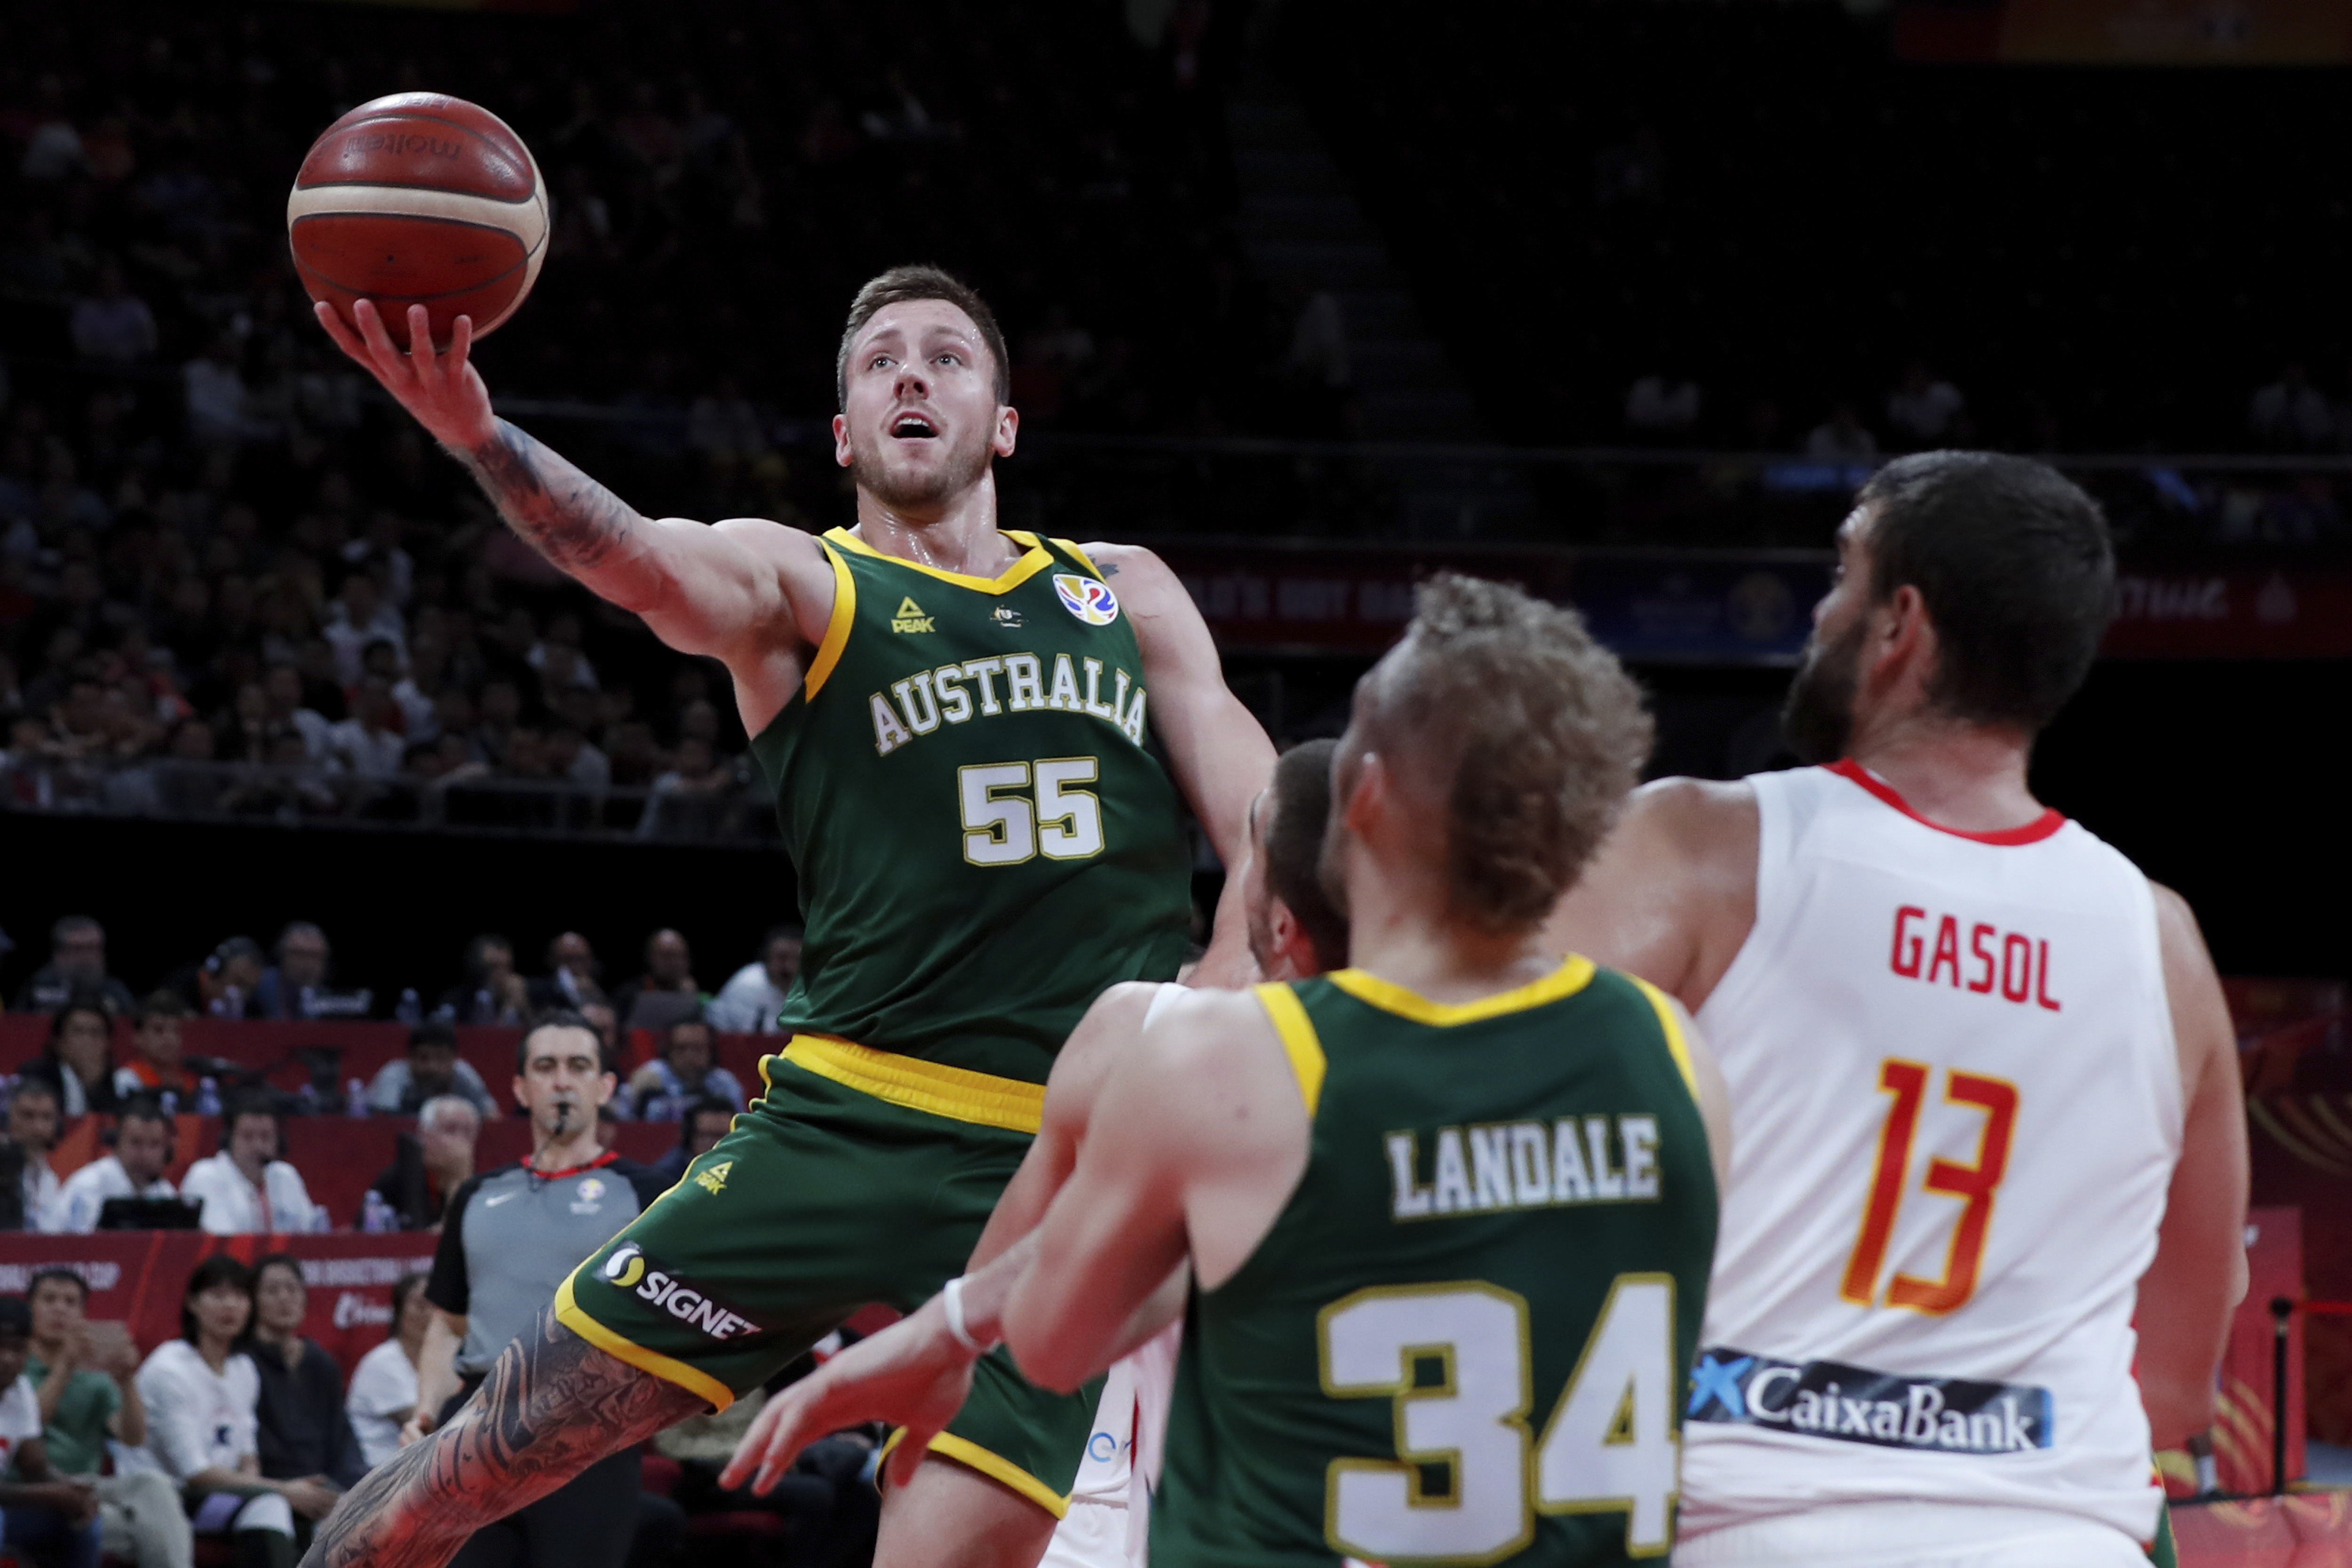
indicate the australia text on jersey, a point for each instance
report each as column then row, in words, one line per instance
column 1002, row 683
column 1525, row 1164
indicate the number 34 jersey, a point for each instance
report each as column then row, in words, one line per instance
column 1956, row 1110
column 983, row 841
column 1465, row 1338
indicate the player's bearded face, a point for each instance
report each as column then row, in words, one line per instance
column 911, row 472
column 1818, row 717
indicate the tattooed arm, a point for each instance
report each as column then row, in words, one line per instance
column 726, row 590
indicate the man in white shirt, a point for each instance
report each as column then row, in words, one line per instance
column 367, row 743
column 246, row 1188
column 753, row 997
column 32, row 1128
column 142, row 1152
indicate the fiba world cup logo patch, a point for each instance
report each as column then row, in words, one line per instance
column 1090, row 601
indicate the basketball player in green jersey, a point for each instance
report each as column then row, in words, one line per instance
column 953, row 717
column 1447, row 1214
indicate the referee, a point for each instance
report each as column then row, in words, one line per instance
column 508, row 1238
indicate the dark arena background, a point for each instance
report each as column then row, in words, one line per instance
column 1621, row 301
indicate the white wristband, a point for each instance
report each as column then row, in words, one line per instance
column 952, row 1298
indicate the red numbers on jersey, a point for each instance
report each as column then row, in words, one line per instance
column 2008, row 964
column 1973, row 1185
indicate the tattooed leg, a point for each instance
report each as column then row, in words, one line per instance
column 553, row 1405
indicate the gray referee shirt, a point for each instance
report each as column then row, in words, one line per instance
column 512, row 1235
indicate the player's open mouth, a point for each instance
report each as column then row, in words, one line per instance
column 913, row 427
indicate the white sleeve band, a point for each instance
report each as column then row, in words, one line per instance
column 953, row 1299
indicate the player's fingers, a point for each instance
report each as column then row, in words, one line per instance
column 913, row 1447
column 420, row 346
column 384, row 355
column 770, row 1446
column 345, row 339
column 461, row 339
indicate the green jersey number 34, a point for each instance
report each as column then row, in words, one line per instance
column 1013, row 812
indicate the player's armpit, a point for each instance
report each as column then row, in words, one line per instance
column 2199, row 1274
column 1671, row 893
column 1216, row 748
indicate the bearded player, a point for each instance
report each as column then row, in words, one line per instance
column 1443, row 1217
column 952, row 717
column 1984, row 1089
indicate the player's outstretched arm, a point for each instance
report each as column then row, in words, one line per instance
column 1219, row 753
column 2199, row 1274
column 1671, row 893
column 717, row 591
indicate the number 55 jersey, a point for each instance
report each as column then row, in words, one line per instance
column 982, row 839
column 1956, row 1109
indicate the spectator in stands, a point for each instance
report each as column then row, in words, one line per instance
column 1842, row 438
column 753, row 997
column 44, row 1508
column 431, row 1163
column 157, row 1064
column 686, row 1071
column 296, row 986
column 88, row 1377
column 2291, row 413
column 1662, row 407
column 217, row 395
column 304, row 1434
column 1923, row 407
column 432, row 1068
column 33, row 1132
column 666, row 990
column 246, row 1188
column 203, row 1428
column 222, row 986
column 76, row 971
column 600, row 1018
column 142, row 1152
column 383, row 1385
column 368, row 744
column 571, row 977
column 493, row 993
column 111, row 324
column 78, row 1063
column 704, row 1125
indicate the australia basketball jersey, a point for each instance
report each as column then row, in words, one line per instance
column 1956, row 1109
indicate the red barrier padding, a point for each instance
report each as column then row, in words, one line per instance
column 2310, row 1530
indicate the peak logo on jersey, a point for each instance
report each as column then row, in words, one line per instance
column 1090, row 601
column 1008, row 617
column 910, row 616
column 630, row 1269
column 1856, row 1404
column 714, row 1180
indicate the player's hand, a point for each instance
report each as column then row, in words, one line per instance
column 912, row 1374
column 310, row 1497
column 414, row 1428
column 444, row 391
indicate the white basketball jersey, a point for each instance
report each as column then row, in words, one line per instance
column 1956, row 1109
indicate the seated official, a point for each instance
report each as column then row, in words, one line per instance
column 142, row 1152
column 432, row 1163
column 706, row 1123
column 77, row 1062
column 158, row 1065
column 246, row 1188
column 686, row 1071
column 33, row 1133
column 430, row 1068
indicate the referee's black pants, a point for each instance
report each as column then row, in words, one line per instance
column 586, row 1522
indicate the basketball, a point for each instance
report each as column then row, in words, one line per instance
column 419, row 199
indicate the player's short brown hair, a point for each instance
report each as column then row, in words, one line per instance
column 1531, row 732
column 901, row 284
column 1300, row 808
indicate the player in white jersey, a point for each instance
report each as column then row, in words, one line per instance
column 1294, row 932
column 1984, row 1093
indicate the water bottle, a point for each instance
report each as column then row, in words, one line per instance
column 170, row 1102
column 412, row 1007
column 307, row 1004
column 375, row 1214
column 355, row 1097
column 321, row 1221
column 208, row 1102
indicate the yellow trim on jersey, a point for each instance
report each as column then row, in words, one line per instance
column 994, row 1465
column 568, row 1313
column 1572, row 976
column 1673, row 1028
column 1298, row 1040
column 836, row 630
column 1034, row 561
column 1081, row 557
column 958, row 1094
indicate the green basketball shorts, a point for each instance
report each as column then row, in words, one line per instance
column 859, row 1176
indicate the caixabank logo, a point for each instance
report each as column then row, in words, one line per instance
column 1856, row 1404
column 630, row 1269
